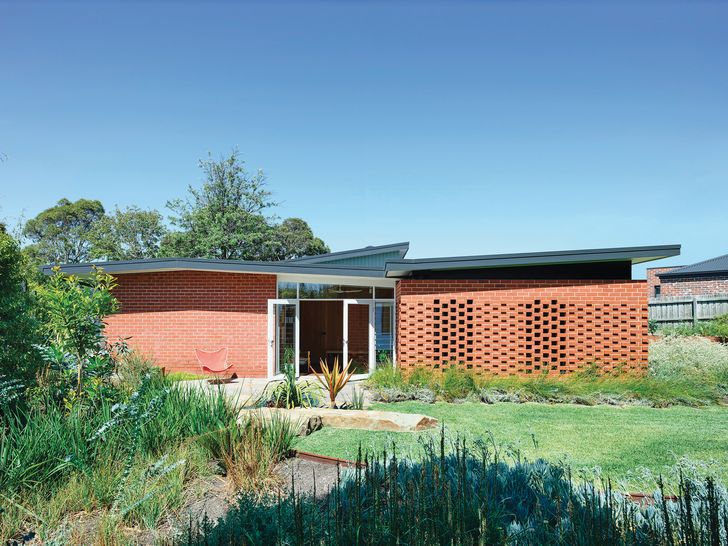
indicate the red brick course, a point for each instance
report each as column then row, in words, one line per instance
column 168, row 315
column 713, row 285
column 522, row 326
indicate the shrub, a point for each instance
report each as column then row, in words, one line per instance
column 19, row 329
column 675, row 357
column 290, row 393
column 74, row 309
column 386, row 377
column 457, row 383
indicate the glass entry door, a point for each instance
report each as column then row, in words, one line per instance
column 282, row 336
column 359, row 335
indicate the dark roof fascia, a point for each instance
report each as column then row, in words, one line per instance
column 199, row 264
column 402, row 248
column 397, row 268
column 706, row 268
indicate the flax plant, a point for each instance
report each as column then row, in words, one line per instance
column 334, row 379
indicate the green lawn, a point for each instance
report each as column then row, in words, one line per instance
column 619, row 440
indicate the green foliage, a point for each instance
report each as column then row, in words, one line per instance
column 74, row 309
column 588, row 387
column 689, row 358
column 294, row 238
column 61, row 234
column 718, row 327
column 386, row 377
column 457, row 383
column 225, row 218
column 248, row 451
column 472, row 497
column 291, row 393
column 18, row 324
column 130, row 234
column 130, row 461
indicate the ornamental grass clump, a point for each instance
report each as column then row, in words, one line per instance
column 472, row 496
column 689, row 358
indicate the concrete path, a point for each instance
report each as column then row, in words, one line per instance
column 246, row 391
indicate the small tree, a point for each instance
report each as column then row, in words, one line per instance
column 74, row 309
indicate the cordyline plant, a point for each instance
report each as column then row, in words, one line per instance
column 333, row 379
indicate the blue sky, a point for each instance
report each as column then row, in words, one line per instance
column 465, row 128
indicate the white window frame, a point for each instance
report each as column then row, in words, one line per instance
column 273, row 339
column 371, row 339
column 323, row 279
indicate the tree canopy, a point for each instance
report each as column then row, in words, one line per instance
column 130, row 234
column 229, row 216
column 225, row 218
column 60, row 234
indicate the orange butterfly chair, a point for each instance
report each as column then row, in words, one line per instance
column 213, row 361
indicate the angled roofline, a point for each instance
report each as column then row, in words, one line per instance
column 711, row 266
column 201, row 264
column 392, row 268
column 402, row 248
column 636, row 254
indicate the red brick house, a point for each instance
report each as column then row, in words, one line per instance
column 543, row 312
column 706, row 278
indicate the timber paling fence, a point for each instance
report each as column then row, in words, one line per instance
column 687, row 309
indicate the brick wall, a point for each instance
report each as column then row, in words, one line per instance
column 694, row 286
column 520, row 326
column 170, row 314
column 653, row 280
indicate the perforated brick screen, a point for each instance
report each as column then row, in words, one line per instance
column 522, row 327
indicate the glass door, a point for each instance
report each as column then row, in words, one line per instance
column 359, row 336
column 283, row 328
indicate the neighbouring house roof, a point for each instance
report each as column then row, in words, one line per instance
column 713, row 266
column 331, row 264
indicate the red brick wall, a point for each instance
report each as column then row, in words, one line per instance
column 653, row 280
column 521, row 326
column 170, row 314
column 694, row 286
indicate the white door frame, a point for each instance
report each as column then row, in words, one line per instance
column 273, row 338
column 371, row 341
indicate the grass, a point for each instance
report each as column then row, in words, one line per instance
column 619, row 440
column 185, row 376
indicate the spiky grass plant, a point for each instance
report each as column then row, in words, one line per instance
column 334, row 379
column 291, row 393
column 248, row 451
column 472, row 497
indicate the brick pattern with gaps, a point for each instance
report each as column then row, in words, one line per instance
column 522, row 327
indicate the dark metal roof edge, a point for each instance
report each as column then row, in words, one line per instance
column 634, row 254
column 697, row 269
column 356, row 252
column 200, row 264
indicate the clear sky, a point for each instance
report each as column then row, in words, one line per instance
column 463, row 127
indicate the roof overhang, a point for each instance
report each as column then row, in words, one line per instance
column 230, row 266
column 635, row 255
